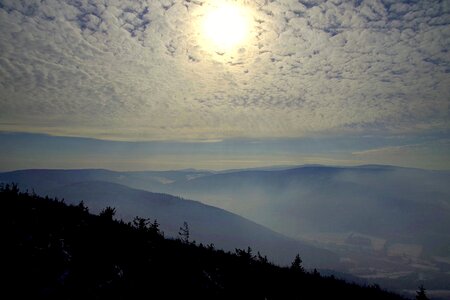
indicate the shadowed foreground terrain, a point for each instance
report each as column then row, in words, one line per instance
column 56, row 251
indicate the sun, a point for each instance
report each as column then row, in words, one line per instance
column 225, row 26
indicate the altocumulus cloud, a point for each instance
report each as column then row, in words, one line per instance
column 135, row 70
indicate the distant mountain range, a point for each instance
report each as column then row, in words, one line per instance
column 372, row 200
column 384, row 222
column 398, row 204
column 207, row 224
column 52, row 250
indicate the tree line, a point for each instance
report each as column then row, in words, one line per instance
column 53, row 250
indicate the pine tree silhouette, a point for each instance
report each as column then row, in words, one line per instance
column 83, row 208
column 297, row 264
column 420, row 294
column 246, row 255
column 184, row 232
column 140, row 223
column 154, row 228
column 108, row 213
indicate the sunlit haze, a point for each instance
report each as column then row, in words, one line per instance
column 226, row 26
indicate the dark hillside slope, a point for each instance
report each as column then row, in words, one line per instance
column 55, row 251
column 207, row 224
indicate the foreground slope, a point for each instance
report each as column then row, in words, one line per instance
column 207, row 224
column 55, row 251
column 368, row 199
column 389, row 225
column 371, row 200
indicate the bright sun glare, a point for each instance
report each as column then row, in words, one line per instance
column 226, row 26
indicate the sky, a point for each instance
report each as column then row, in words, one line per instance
column 133, row 85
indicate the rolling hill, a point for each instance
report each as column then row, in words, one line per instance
column 387, row 224
column 57, row 251
column 207, row 224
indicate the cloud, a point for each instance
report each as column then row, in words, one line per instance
column 137, row 70
column 433, row 154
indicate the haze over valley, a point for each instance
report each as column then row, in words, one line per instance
column 382, row 224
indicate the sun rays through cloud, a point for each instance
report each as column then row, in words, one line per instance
column 225, row 26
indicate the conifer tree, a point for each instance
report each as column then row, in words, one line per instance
column 108, row 213
column 184, row 233
column 420, row 294
column 297, row 264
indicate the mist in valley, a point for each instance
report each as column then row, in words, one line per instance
column 380, row 223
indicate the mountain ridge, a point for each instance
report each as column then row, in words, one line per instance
column 60, row 251
column 208, row 224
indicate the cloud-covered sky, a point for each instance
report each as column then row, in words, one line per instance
column 137, row 70
column 140, row 70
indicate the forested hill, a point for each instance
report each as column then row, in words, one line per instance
column 55, row 251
